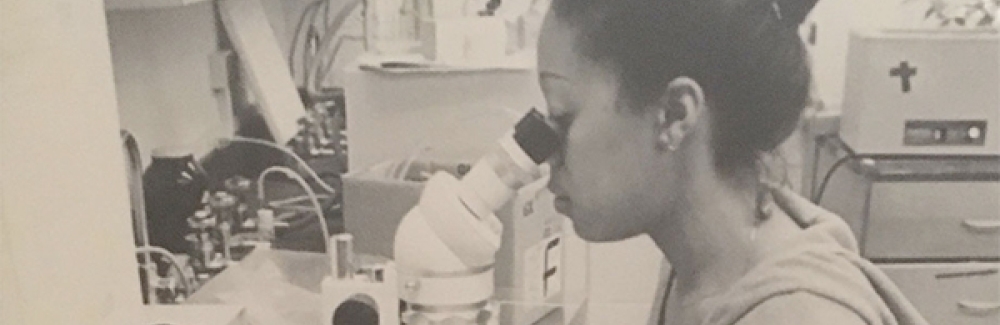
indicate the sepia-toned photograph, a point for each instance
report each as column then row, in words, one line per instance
column 500, row 162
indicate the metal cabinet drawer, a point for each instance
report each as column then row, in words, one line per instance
column 933, row 220
column 961, row 293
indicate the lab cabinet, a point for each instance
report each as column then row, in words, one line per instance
column 951, row 293
column 919, row 209
column 932, row 223
column 934, row 220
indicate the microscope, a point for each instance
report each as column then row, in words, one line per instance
column 445, row 247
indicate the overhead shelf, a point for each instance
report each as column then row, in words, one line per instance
column 147, row 4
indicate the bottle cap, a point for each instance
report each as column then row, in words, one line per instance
column 202, row 214
column 222, row 200
column 171, row 152
column 238, row 183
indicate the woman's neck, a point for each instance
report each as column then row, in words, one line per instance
column 707, row 239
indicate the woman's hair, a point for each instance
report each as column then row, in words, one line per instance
column 746, row 55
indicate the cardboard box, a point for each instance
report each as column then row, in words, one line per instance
column 530, row 267
column 376, row 199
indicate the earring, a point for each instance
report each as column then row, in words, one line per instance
column 763, row 209
column 665, row 142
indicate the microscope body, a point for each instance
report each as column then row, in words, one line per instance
column 445, row 256
column 358, row 292
column 445, row 247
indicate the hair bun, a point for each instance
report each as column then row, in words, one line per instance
column 794, row 12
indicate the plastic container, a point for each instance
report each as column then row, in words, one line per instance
column 174, row 186
column 390, row 26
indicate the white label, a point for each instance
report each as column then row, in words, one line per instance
column 552, row 274
column 543, row 269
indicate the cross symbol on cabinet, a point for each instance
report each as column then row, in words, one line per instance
column 904, row 72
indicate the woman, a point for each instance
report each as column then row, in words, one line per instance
column 667, row 108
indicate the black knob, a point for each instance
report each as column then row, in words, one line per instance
column 355, row 311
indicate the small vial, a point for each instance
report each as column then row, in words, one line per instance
column 226, row 230
column 342, row 249
column 265, row 224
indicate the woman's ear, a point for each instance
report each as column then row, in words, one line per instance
column 677, row 112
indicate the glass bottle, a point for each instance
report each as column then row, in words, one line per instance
column 174, row 187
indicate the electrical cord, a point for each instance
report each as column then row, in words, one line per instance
column 305, row 186
column 324, row 71
column 312, row 173
column 815, row 164
column 310, row 57
column 829, row 174
column 329, row 36
column 662, row 314
column 297, row 199
column 850, row 156
column 148, row 250
column 309, row 13
column 326, row 14
column 404, row 169
column 138, row 204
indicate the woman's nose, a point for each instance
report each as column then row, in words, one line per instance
column 553, row 187
column 556, row 161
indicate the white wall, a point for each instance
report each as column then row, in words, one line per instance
column 835, row 18
column 161, row 69
column 65, row 227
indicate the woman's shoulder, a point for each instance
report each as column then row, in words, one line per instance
column 801, row 308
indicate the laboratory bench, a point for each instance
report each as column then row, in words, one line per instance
column 283, row 287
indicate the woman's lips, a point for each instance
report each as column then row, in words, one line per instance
column 563, row 205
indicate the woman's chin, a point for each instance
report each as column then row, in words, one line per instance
column 592, row 234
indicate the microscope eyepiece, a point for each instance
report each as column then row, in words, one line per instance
column 538, row 140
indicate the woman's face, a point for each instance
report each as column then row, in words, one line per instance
column 610, row 179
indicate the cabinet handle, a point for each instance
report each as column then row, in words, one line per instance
column 978, row 308
column 982, row 225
